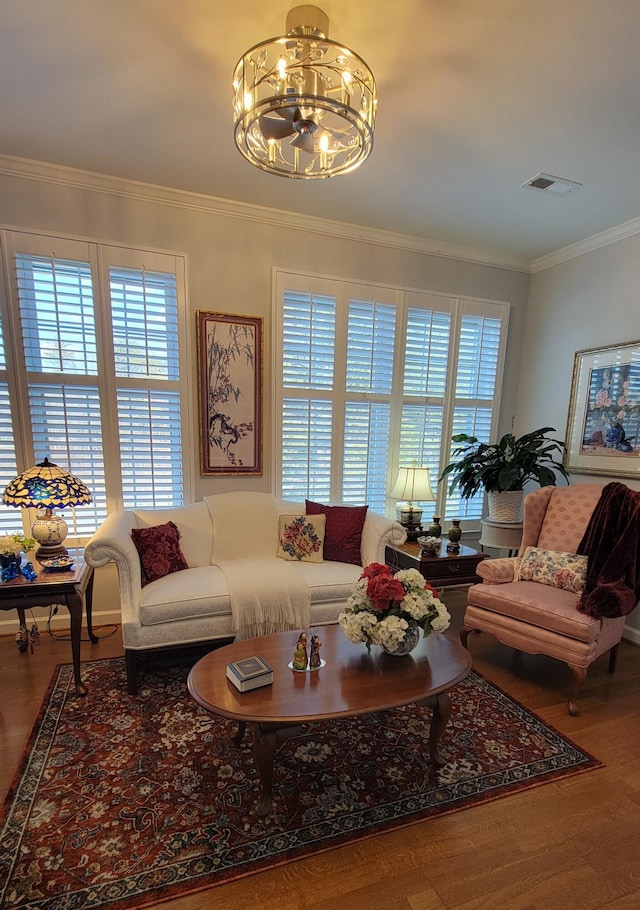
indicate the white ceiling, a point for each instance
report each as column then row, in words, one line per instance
column 475, row 97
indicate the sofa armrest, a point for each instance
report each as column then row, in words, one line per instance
column 377, row 533
column 498, row 571
column 112, row 542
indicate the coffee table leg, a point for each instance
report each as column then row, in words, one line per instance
column 237, row 739
column 264, row 750
column 265, row 740
column 441, row 707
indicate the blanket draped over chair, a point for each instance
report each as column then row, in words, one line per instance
column 612, row 543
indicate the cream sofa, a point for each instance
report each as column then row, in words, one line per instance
column 228, row 535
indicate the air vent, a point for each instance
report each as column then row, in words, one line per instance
column 558, row 186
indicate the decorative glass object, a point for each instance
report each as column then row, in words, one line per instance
column 435, row 528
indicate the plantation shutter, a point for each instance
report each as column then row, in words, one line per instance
column 479, row 358
column 144, row 317
column 98, row 358
column 60, row 352
column 10, row 522
column 371, row 379
column 427, row 351
column 369, row 375
column 306, row 408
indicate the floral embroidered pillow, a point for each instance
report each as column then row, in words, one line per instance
column 550, row 567
column 301, row 537
column 159, row 551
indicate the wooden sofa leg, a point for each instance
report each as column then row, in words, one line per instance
column 580, row 674
column 613, row 658
column 464, row 635
column 131, row 660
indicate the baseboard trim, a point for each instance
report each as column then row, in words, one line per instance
column 631, row 634
column 59, row 622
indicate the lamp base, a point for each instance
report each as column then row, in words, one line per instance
column 411, row 521
column 50, row 552
column 50, row 532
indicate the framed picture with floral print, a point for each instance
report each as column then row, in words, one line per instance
column 230, row 393
column 603, row 427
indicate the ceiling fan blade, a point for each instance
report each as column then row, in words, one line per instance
column 275, row 129
column 305, row 142
column 290, row 112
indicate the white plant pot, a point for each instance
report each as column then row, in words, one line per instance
column 505, row 506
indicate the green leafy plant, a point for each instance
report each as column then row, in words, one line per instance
column 505, row 465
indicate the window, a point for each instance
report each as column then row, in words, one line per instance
column 95, row 385
column 368, row 379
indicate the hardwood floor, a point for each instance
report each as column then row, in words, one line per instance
column 570, row 844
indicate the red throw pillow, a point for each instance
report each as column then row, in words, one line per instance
column 159, row 551
column 343, row 531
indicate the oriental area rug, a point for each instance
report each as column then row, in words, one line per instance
column 123, row 801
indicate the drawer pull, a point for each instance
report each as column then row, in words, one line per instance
column 453, row 567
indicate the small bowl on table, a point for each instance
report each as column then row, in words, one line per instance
column 429, row 545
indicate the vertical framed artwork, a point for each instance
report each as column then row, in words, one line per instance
column 230, row 393
column 603, row 427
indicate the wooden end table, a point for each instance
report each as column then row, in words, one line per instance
column 442, row 569
column 352, row 683
column 73, row 588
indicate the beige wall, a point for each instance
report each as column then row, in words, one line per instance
column 586, row 302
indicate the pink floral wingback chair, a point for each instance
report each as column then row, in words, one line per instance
column 530, row 601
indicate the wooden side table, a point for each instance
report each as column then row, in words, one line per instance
column 73, row 588
column 444, row 568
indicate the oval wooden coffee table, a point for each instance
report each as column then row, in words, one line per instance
column 352, row 682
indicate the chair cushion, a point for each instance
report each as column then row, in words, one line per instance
column 301, row 537
column 196, row 593
column 539, row 605
column 551, row 567
column 343, row 536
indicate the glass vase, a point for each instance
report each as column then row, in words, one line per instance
column 408, row 643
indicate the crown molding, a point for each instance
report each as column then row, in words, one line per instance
column 61, row 175
column 588, row 245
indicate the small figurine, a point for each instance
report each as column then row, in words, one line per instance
column 314, row 660
column 300, row 659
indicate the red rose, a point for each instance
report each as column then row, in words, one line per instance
column 383, row 590
column 374, row 569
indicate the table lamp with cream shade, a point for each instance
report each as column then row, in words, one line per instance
column 47, row 487
column 412, row 485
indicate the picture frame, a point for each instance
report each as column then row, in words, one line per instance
column 230, row 363
column 603, row 424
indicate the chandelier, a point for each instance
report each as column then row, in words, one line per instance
column 304, row 106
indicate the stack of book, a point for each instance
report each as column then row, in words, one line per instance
column 250, row 673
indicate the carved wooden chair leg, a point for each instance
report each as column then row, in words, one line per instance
column 613, row 658
column 580, row 674
column 464, row 634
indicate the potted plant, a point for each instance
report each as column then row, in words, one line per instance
column 504, row 467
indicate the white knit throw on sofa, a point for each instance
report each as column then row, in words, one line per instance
column 266, row 594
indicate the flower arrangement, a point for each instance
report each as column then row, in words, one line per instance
column 383, row 605
column 15, row 544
